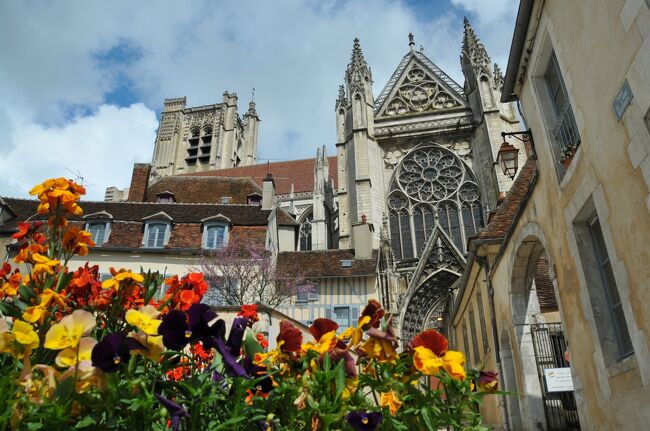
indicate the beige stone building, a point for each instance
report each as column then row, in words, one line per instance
column 581, row 72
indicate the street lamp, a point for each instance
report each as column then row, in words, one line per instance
column 508, row 155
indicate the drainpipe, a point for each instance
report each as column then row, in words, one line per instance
column 493, row 322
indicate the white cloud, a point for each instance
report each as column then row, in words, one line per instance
column 102, row 147
column 294, row 53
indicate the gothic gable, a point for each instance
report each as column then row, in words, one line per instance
column 418, row 86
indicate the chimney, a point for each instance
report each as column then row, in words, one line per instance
column 268, row 192
column 139, row 182
column 362, row 239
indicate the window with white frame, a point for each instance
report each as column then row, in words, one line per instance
column 156, row 234
column 308, row 293
column 215, row 235
column 342, row 316
column 99, row 230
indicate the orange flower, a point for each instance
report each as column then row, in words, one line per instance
column 77, row 241
column 390, row 400
column 59, row 191
column 249, row 311
column 43, row 264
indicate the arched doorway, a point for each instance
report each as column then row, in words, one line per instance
column 541, row 348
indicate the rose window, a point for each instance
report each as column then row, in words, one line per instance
column 432, row 185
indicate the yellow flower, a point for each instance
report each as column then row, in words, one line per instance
column 35, row 313
column 351, row 385
column 68, row 332
column 390, row 400
column 6, row 338
column 154, row 345
column 123, row 275
column 380, row 345
column 68, row 357
column 43, row 264
column 48, row 296
column 144, row 319
column 326, row 342
column 24, row 334
column 355, row 334
column 430, row 364
column 40, row 383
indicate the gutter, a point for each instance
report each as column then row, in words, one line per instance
column 516, row 49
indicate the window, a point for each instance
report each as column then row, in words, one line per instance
column 613, row 300
column 308, row 293
column 304, row 235
column 472, row 327
column 342, row 316
column 432, row 182
column 156, row 234
column 165, row 198
column 482, row 322
column 564, row 129
column 215, row 236
column 99, row 231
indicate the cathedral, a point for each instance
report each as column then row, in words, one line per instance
column 412, row 179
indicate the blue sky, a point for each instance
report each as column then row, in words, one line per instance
column 82, row 83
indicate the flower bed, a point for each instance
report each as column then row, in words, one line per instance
column 78, row 353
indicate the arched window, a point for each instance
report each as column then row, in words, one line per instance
column 432, row 182
column 304, row 235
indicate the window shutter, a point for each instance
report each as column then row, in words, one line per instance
column 328, row 313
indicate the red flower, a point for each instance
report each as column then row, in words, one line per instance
column 249, row 311
column 263, row 341
column 375, row 311
column 321, row 327
column 432, row 340
column 290, row 336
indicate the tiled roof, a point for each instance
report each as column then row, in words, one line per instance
column 194, row 189
column 298, row 172
column 544, row 287
column 507, row 211
column 325, row 263
column 243, row 215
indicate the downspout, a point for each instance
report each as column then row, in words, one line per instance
column 495, row 337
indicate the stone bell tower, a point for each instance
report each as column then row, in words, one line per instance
column 360, row 179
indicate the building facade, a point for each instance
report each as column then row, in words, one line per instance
column 584, row 211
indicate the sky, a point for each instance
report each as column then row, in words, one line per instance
column 82, row 82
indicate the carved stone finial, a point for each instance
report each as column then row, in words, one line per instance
column 498, row 77
column 341, row 99
column 473, row 50
column 411, row 41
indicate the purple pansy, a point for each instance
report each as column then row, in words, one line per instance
column 364, row 421
column 115, row 349
column 176, row 411
column 179, row 328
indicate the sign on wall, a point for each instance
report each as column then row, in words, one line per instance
column 558, row 379
column 622, row 100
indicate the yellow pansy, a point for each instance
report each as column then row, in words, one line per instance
column 24, row 334
column 429, row 363
column 351, row 385
column 114, row 283
column 43, row 264
column 68, row 332
column 144, row 319
column 40, row 383
column 154, row 345
column 390, row 400
column 48, row 296
column 355, row 334
column 6, row 338
column 68, row 357
column 325, row 343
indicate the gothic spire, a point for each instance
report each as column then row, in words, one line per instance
column 341, row 100
column 358, row 68
column 473, row 50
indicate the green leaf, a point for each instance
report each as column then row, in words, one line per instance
column 34, row 426
column 251, row 345
column 8, row 310
column 85, row 422
column 428, row 419
column 64, row 389
column 339, row 378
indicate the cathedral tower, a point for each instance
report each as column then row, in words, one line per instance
column 360, row 177
column 483, row 83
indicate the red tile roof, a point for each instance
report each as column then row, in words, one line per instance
column 325, row 263
column 203, row 190
column 505, row 214
column 298, row 172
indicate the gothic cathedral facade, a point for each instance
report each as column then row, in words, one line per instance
column 414, row 173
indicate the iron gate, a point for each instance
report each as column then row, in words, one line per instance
column 550, row 350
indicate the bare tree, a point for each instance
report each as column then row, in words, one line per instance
column 244, row 272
